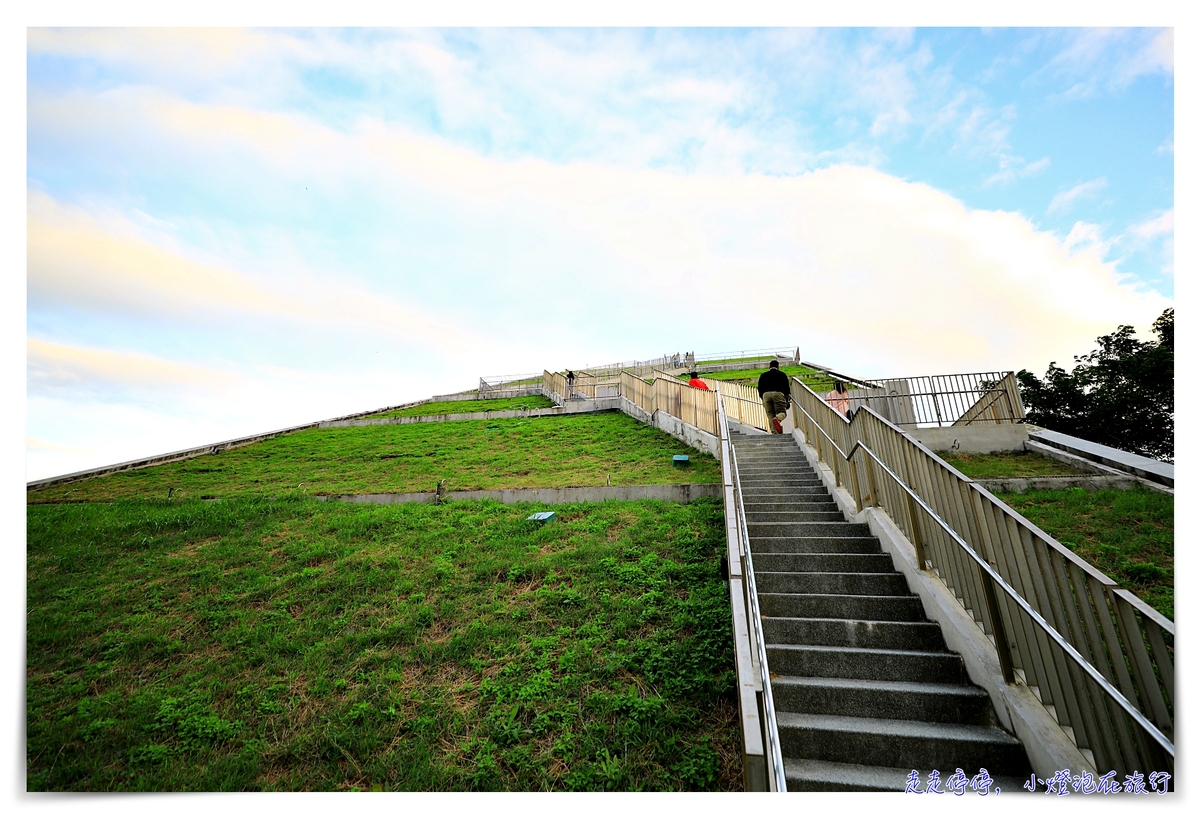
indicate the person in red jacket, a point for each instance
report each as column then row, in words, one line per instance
column 776, row 392
column 696, row 382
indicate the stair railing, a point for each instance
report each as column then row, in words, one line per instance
column 748, row 623
column 1097, row 656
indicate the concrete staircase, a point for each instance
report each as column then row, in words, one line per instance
column 865, row 689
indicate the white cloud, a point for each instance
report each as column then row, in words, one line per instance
column 557, row 263
column 1086, row 237
column 1063, row 202
column 109, row 264
column 1015, row 167
column 1161, row 225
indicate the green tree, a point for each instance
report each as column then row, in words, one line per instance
column 1121, row 395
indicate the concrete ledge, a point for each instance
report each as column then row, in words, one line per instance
column 672, row 493
column 1127, row 462
column 1017, row 707
column 514, row 392
column 999, row 437
column 572, row 408
column 1090, row 482
column 683, row 432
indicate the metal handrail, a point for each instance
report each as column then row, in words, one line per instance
column 997, row 580
column 774, row 747
column 1062, row 643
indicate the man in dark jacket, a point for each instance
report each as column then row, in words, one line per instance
column 776, row 391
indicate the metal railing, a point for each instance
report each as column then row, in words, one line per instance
column 979, row 398
column 1100, row 660
column 780, row 353
column 502, row 386
column 742, row 587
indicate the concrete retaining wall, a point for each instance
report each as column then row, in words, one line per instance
column 673, row 493
column 514, row 392
column 1017, row 707
column 1090, row 482
column 676, row 428
column 1001, row 437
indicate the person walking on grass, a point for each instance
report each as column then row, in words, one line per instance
column 776, row 393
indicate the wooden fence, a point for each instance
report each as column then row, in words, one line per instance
column 671, row 395
column 743, row 404
column 1100, row 659
column 555, row 384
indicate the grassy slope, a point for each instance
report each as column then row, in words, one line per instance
column 451, row 407
column 580, row 450
column 293, row 644
column 1006, row 464
column 816, row 381
column 1129, row 535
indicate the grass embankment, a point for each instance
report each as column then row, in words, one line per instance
column 579, row 450
column 454, row 407
column 818, row 382
column 1127, row 534
column 295, row 645
column 1007, row 464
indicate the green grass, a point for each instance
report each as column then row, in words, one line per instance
column 819, row 382
column 1127, row 534
column 293, row 645
column 579, row 450
column 452, row 407
column 1007, row 464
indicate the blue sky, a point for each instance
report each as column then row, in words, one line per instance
column 231, row 230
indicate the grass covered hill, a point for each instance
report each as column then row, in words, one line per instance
column 290, row 644
column 454, row 407
column 577, row 450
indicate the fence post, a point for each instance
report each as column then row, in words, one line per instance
column 872, row 491
column 1003, row 653
column 917, row 539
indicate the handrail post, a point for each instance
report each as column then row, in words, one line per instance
column 917, row 539
column 999, row 633
column 872, row 489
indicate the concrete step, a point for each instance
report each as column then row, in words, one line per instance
column 791, row 504
column 833, row 529
column 769, row 494
column 831, row 582
column 815, row 545
column 781, row 482
column 900, row 744
column 799, row 515
column 917, row 701
column 829, row 563
column 866, row 663
column 853, row 633
column 776, row 471
column 761, row 462
column 810, row 775
column 842, row 606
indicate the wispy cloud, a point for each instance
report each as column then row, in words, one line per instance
column 1112, row 59
column 1063, row 202
column 1015, row 167
column 63, row 369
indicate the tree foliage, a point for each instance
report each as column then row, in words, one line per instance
column 1120, row 395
